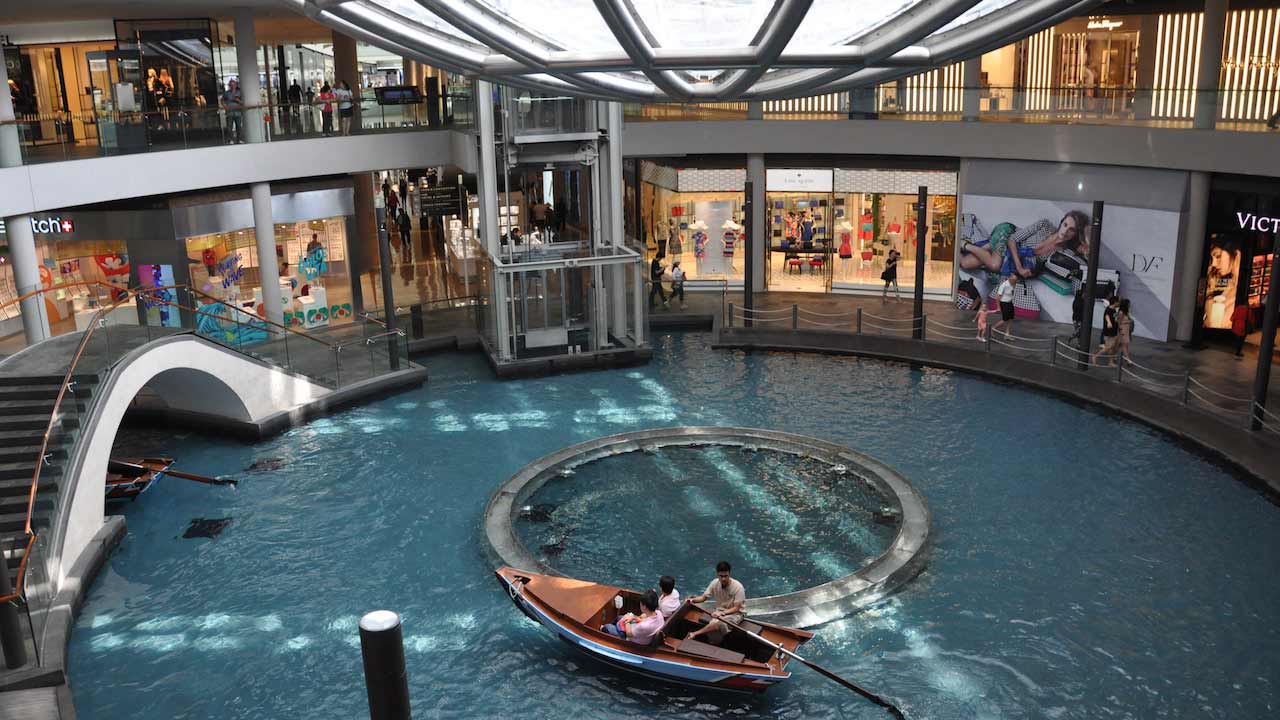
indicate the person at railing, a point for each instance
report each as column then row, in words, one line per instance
column 326, row 98
column 233, row 103
column 345, row 109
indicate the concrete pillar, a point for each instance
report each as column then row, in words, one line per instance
column 250, row 85
column 347, row 68
column 1215, row 30
column 759, row 224
column 755, row 109
column 617, row 226
column 489, row 213
column 22, row 241
column 1144, row 94
column 862, row 104
column 268, row 268
column 971, row 78
column 1186, row 275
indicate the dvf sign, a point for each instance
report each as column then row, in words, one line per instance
column 52, row 226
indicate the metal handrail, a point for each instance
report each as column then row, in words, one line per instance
column 256, row 318
column 60, row 286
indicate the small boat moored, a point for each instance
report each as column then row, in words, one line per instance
column 127, row 478
column 747, row 659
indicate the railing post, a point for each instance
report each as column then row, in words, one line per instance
column 1186, row 387
column 858, row 327
column 337, row 366
column 1053, row 351
column 924, row 324
column 795, row 317
column 730, row 314
column 988, row 337
column 1119, row 368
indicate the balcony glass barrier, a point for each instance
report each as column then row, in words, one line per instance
column 52, row 138
column 1167, row 107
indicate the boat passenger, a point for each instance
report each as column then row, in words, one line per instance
column 669, row 600
column 639, row 630
column 731, row 604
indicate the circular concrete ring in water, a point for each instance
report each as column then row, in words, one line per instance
column 803, row 608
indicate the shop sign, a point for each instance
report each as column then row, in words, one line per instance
column 1104, row 24
column 441, row 200
column 1258, row 223
column 52, row 225
column 793, row 180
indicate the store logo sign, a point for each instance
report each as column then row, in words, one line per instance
column 1258, row 223
column 1104, row 24
column 803, row 180
column 52, row 225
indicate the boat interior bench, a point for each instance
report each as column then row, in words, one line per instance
column 707, row 650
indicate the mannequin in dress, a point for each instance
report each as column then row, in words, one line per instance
column 806, row 230
column 699, row 229
column 846, row 248
column 674, row 247
column 730, row 239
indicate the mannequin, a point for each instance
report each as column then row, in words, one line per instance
column 730, row 239
column 791, row 230
column 674, row 246
column 806, row 230
column 846, row 247
column 699, row 243
column 867, row 232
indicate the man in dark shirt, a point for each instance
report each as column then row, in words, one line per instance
column 655, row 275
column 294, row 96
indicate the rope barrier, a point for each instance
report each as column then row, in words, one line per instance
column 865, row 324
column 761, row 311
column 912, row 320
column 824, row 324
column 766, row 320
column 1027, row 339
column 1088, row 363
column 1219, row 394
column 951, row 327
column 936, row 333
column 1266, row 412
column 814, row 312
column 1077, row 351
column 1149, row 381
column 1215, row 406
column 1157, row 372
column 998, row 341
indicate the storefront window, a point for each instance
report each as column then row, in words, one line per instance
column 312, row 259
column 702, row 229
column 801, row 251
column 869, row 225
column 1242, row 225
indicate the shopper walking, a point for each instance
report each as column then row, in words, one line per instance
column 655, row 278
column 233, row 103
column 326, row 98
column 1240, row 328
column 890, row 277
column 677, row 283
column 345, row 108
column 1124, row 330
column 294, row 96
column 1004, row 294
column 1110, row 332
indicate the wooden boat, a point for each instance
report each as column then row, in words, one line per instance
column 127, row 478
column 575, row 610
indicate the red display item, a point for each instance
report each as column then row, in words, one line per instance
column 677, row 210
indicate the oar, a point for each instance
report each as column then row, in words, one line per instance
column 200, row 478
column 893, row 709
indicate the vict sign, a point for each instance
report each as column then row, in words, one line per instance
column 52, row 225
column 1258, row 223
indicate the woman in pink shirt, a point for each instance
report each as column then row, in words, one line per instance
column 639, row 630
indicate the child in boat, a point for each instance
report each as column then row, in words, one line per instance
column 639, row 630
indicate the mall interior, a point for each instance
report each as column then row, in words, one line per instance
column 365, row 260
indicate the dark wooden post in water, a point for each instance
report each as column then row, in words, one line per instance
column 1262, row 377
column 382, row 647
column 11, row 638
column 917, row 308
column 1091, row 279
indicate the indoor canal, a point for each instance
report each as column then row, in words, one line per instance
column 1081, row 565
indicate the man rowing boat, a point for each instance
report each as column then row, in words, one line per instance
column 731, row 604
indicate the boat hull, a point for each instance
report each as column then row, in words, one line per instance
column 648, row 666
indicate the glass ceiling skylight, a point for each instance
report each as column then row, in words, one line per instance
column 690, row 50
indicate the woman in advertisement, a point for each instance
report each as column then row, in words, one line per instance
column 1022, row 251
column 1221, row 278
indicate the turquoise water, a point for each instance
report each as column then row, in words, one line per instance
column 789, row 522
column 1083, row 566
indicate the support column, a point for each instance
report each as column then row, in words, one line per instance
column 1266, row 347
column 971, row 79
column 22, row 240
column 1144, row 93
column 755, row 109
column 862, row 104
column 617, row 224
column 758, row 243
column 1186, row 278
column 489, row 214
column 922, row 229
column 250, row 85
column 268, row 267
column 362, row 245
column 1085, row 341
column 1215, row 29
column 347, row 68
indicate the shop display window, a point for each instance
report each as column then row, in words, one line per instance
column 311, row 257
column 869, row 225
column 703, row 230
column 68, row 267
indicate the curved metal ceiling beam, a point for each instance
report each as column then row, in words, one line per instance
column 499, row 33
column 885, row 40
column 777, row 31
column 631, row 35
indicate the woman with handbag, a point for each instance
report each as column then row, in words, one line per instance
column 890, row 276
